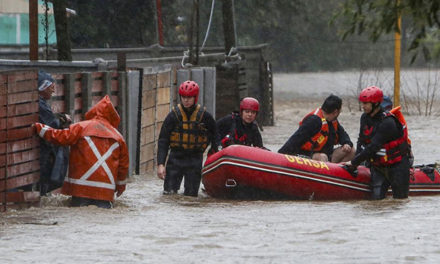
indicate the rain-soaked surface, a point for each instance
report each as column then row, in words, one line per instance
column 146, row 227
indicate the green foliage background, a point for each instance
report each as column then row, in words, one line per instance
column 300, row 34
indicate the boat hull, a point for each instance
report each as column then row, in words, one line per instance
column 245, row 172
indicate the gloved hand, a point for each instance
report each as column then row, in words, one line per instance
column 212, row 151
column 226, row 141
column 411, row 157
column 350, row 169
column 119, row 190
column 265, row 148
column 65, row 120
column 411, row 160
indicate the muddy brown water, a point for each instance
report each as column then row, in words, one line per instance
column 146, row 227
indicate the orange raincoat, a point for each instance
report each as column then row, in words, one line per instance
column 98, row 164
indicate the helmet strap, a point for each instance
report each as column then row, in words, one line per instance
column 374, row 109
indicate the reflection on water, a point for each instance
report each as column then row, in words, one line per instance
column 146, row 226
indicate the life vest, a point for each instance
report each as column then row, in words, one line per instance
column 189, row 134
column 318, row 141
column 398, row 114
column 233, row 137
column 393, row 151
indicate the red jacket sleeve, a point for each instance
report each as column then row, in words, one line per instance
column 68, row 136
column 123, row 167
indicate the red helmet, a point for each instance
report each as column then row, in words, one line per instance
column 249, row 103
column 371, row 94
column 189, row 89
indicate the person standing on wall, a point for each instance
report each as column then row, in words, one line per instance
column 186, row 131
column 240, row 127
column 99, row 160
column 54, row 160
column 383, row 142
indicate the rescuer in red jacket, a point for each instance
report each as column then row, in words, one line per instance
column 383, row 142
column 98, row 163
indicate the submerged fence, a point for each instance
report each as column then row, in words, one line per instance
column 19, row 147
column 142, row 96
column 75, row 93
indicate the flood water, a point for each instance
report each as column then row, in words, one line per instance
column 146, row 227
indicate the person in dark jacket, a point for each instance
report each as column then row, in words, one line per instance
column 187, row 131
column 240, row 127
column 54, row 159
column 383, row 142
column 318, row 134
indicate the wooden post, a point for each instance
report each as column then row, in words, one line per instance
column 397, row 52
column 159, row 22
column 69, row 93
column 190, row 35
column 62, row 30
column 197, row 10
column 33, row 30
column 228, row 25
column 122, row 61
column 86, row 91
column 123, row 96
column 107, row 82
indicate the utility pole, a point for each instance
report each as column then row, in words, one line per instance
column 228, row 25
column 33, row 30
column 194, row 32
column 397, row 52
column 62, row 29
column 197, row 10
column 159, row 22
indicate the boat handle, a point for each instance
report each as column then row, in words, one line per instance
column 230, row 183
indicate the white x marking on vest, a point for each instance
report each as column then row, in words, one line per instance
column 101, row 161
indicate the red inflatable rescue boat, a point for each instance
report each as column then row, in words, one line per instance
column 246, row 172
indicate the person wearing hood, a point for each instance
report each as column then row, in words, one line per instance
column 186, row 131
column 98, row 164
column 240, row 128
column 54, row 159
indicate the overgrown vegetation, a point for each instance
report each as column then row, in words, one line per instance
column 298, row 32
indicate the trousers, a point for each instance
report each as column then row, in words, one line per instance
column 183, row 165
column 396, row 176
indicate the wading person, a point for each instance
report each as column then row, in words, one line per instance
column 54, row 159
column 186, row 131
column 240, row 127
column 383, row 142
column 318, row 134
column 98, row 164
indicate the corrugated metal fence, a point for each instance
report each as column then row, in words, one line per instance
column 159, row 94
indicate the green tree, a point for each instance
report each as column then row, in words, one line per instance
column 379, row 17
